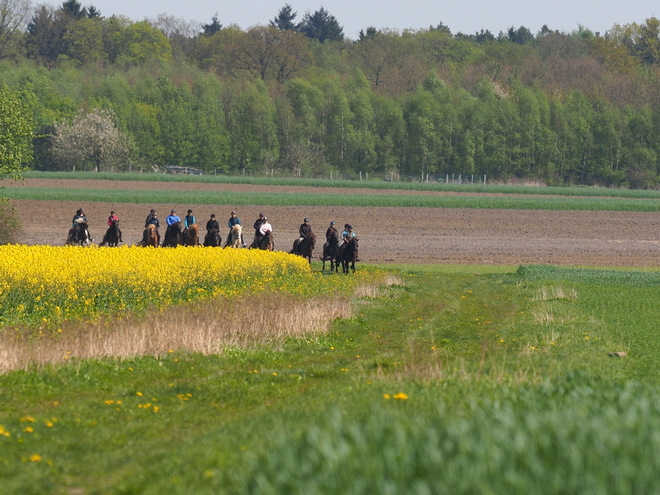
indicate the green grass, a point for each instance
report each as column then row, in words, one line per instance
column 348, row 199
column 350, row 184
column 507, row 376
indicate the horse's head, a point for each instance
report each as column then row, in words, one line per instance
column 193, row 229
column 312, row 239
column 177, row 226
column 237, row 228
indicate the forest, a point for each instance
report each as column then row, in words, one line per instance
column 295, row 98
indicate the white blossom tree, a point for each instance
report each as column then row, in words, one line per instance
column 90, row 139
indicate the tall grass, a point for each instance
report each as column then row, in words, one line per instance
column 577, row 435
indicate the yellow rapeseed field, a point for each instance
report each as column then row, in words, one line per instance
column 44, row 285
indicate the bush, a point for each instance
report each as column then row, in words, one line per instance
column 10, row 225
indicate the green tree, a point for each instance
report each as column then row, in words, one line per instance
column 16, row 134
column 14, row 17
column 285, row 18
column 322, row 26
column 141, row 42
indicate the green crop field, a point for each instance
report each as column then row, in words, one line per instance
column 334, row 199
column 452, row 379
column 350, row 184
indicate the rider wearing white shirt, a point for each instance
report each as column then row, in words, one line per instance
column 265, row 227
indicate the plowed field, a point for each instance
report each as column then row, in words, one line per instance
column 387, row 235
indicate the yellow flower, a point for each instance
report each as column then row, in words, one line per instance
column 386, row 396
column 35, row 457
column 401, row 396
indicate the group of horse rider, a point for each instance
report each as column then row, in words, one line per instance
column 261, row 226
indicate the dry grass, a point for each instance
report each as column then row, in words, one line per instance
column 208, row 327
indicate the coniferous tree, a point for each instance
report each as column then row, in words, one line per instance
column 321, row 25
column 285, row 18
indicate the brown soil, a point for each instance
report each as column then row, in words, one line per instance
column 387, row 235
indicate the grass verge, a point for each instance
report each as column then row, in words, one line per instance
column 457, row 380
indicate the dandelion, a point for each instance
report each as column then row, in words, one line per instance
column 386, row 396
column 28, row 429
column 35, row 458
column 401, row 396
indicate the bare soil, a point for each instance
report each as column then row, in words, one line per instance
column 387, row 234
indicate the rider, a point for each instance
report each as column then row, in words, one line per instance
column 331, row 232
column 80, row 214
column 189, row 219
column 172, row 219
column 257, row 233
column 113, row 218
column 212, row 224
column 151, row 214
column 348, row 233
column 265, row 227
column 304, row 231
column 234, row 220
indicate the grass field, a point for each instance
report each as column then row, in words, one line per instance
column 453, row 380
column 330, row 199
column 348, row 184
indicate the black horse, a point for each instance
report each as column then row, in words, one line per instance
column 265, row 242
column 213, row 238
column 349, row 254
column 173, row 235
column 79, row 235
column 111, row 237
column 331, row 252
column 305, row 248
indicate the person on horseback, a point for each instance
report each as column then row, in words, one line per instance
column 304, row 231
column 257, row 232
column 234, row 220
column 153, row 220
column 189, row 219
column 114, row 219
column 347, row 233
column 77, row 218
column 212, row 224
column 265, row 227
column 331, row 232
column 151, row 214
column 172, row 219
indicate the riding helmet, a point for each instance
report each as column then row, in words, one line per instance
column 306, row 219
column 332, row 223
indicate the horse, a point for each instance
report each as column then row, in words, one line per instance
column 331, row 252
column 348, row 254
column 234, row 237
column 266, row 242
column 173, row 235
column 150, row 237
column 111, row 237
column 305, row 248
column 191, row 236
column 79, row 235
column 212, row 238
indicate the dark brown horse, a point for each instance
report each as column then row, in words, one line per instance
column 191, row 236
column 266, row 242
column 213, row 238
column 305, row 248
column 79, row 235
column 173, row 235
column 349, row 254
column 331, row 252
column 111, row 237
column 150, row 237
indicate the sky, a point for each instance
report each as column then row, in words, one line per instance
column 466, row 16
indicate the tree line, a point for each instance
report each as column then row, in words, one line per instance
column 300, row 99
